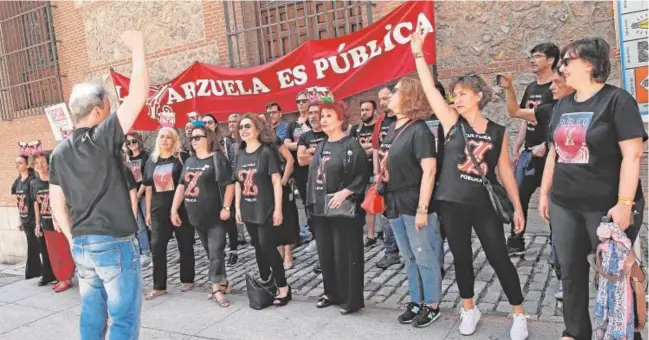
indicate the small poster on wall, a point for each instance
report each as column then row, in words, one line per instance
column 60, row 121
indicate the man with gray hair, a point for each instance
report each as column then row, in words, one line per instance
column 86, row 171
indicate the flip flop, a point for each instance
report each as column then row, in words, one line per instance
column 154, row 294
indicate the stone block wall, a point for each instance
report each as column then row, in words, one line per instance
column 486, row 37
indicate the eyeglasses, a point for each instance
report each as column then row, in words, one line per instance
column 537, row 56
column 565, row 61
column 198, row 138
column 131, row 142
column 209, row 122
column 301, row 101
column 246, row 126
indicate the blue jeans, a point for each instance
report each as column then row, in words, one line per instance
column 421, row 251
column 110, row 284
column 142, row 234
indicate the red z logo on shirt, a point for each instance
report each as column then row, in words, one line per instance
column 533, row 103
column 383, row 166
column 321, row 178
column 44, row 202
column 479, row 150
column 247, row 178
column 191, row 178
column 22, row 208
column 365, row 139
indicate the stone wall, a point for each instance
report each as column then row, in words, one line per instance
column 486, row 37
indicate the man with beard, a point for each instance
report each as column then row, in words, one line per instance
column 305, row 150
column 363, row 132
column 381, row 127
column 531, row 161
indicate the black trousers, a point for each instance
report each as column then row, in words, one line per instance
column 262, row 237
column 527, row 184
column 231, row 229
column 36, row 247
column 161, row 231
column 576, row 237
column 300, row 183
column 342, row 259
column 213, row 240
column 459, row 219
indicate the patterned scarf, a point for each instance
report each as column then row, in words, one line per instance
column 614, row 305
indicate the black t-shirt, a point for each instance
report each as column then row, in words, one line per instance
column 311, row 139
column 401, row 171
column 295, row 131
column 89, row 169
column 24, row 202
column 385, row 125
column 130, row 180
column 363, row 133
column 586, row 137
column 460, row 180
column 435, row 127
column 40, row 192
column 253, row 171
column 536, row 95
column 137, row 164
column 340, row 168
column 543, row 114
column 203, row 194
column 163, row 177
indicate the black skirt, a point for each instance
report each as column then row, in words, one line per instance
column 289, row 232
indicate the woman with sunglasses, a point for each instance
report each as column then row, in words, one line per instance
column 592, row 170
column 205, row 187
column 35, row 243
column 337, row 177
column 58, row 248
column 460, row 189
column 161, row 178
column 136, row 158
column 407, row 167
column 259, row 199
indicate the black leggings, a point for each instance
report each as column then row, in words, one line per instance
column 231, row 229
column 213, row 240
column 161, row 231
column 341, row 254
column 262, row 237
column 458, row 221
column 576, row 237
column 527, row 184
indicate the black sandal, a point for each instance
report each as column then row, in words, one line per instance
column 283, row 301
column 323, row 302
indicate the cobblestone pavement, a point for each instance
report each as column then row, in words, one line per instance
column 389, row 289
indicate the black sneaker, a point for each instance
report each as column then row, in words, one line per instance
column 233, row 259
column 426, row 316
column 412, row 310
column 515, row 246
column 379, row 235
column 388, row 260
column 317, row 269
column 370, row 242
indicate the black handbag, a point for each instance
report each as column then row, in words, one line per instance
column 260, row 294
column 497, row 194
column 348, row 207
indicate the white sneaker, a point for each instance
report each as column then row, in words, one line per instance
column 469, row 320
column 519, row 328
column 311, row 247
column 145, row 261
column 559, row 293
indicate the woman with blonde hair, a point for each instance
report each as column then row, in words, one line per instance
column 161, row 177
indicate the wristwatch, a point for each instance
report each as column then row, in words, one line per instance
column 626, row 201
column 422, row 209
column 226, row 208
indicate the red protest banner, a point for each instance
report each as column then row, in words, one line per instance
column 346, row 65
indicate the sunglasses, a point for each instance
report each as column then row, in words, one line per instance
column 565, row 61
column 209, row 122
column 302, row 101
column 131, row 142
column 246, row 126
column 198, row 138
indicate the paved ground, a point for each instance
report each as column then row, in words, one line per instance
column 31, row 312
column 27, row 311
